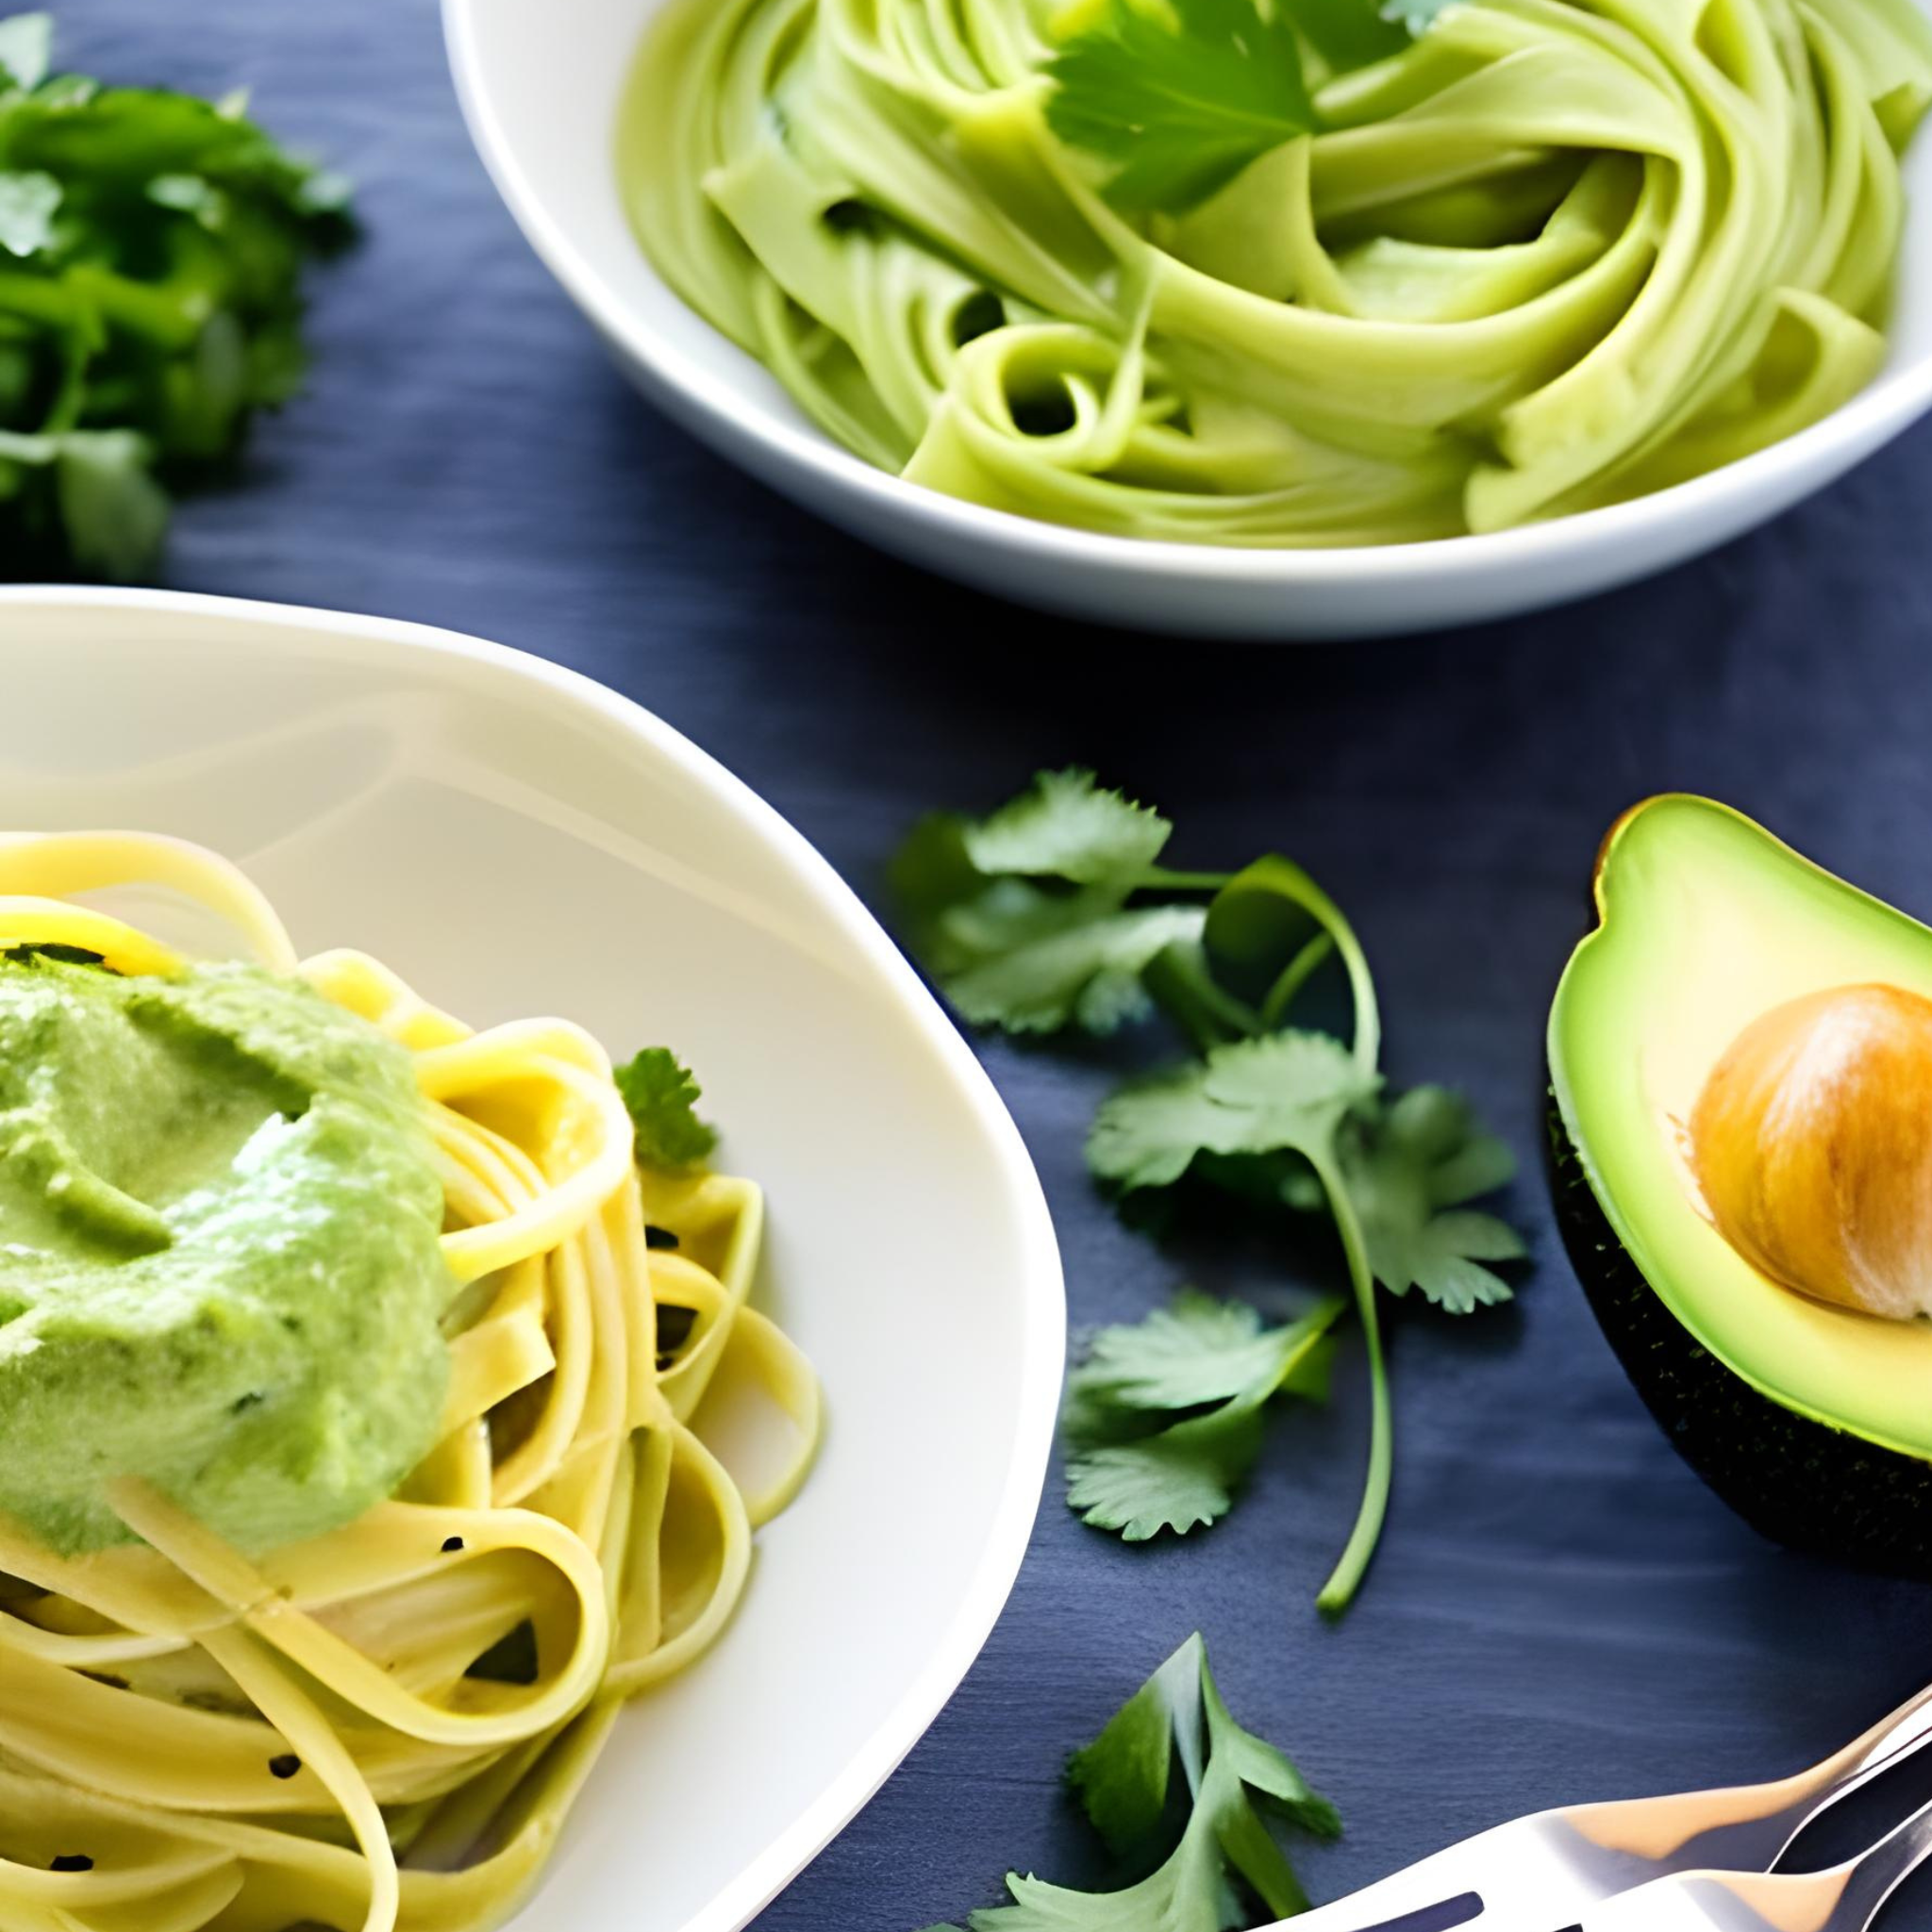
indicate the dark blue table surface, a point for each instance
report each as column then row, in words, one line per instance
column 1561, row 1610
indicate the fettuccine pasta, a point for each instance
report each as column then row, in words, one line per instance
column 382, row 1726
column 1554, row 254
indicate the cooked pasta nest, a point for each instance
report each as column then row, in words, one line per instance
column 1554, row 254
column 384, row 1726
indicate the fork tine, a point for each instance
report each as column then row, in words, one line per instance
column 1459, row 1872
column 1871, row 1879
column 1532, row 1875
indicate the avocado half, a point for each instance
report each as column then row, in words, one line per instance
column 1813, row 1422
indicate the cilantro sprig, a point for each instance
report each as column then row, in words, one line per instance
column 1181, row 96
column 1055, row 913
column 1234, row 1783
column 661, row 1096
column 151, row 245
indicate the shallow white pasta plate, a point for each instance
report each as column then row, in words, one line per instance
column 541, row 86
column 517, row 840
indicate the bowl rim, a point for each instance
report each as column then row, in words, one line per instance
column 1043, row 1318
column 1882, row 409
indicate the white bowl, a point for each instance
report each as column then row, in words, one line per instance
column 516, row 840
column 541, row 86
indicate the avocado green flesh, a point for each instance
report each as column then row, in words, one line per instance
column 219, row 1267
column 1706, row 922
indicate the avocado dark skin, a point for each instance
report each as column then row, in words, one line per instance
column 1799, row 1482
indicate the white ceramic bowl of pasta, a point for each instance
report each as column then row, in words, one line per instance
column 517, row 840
column 541, row 86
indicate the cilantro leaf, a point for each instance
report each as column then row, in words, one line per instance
column 1129, row 1473
column 27, row 46
column 1088, row 972
column 1251, row 1096
column 1065, row 826
column 112, row 507
column 1121, row 1780
column 29, row 202
column 1178, row 1478
column 1195, row 1350
column 1407, row 1174
column 1122, row 1777
column 1180, row 96
column 661, row 1098
column 1023, row 916
column 1262, row 1765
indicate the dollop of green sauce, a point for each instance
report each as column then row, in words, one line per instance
column 219, row 1259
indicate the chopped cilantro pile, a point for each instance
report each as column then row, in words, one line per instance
column 151, row 246
column 1210, row 1849
column 1055, row 913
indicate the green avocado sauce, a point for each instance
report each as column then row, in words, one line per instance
column 219, row 1259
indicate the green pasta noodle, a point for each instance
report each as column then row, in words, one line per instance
column 1540, row 258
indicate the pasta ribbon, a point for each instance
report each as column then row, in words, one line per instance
column 381, row 1729
column 1553, row 255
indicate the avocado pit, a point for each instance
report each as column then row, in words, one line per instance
column 1811, row 1144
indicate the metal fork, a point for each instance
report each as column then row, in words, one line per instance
column 1553, row 1871
column 1846, row 1898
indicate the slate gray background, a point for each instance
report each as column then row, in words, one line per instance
column 1560, row 1611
